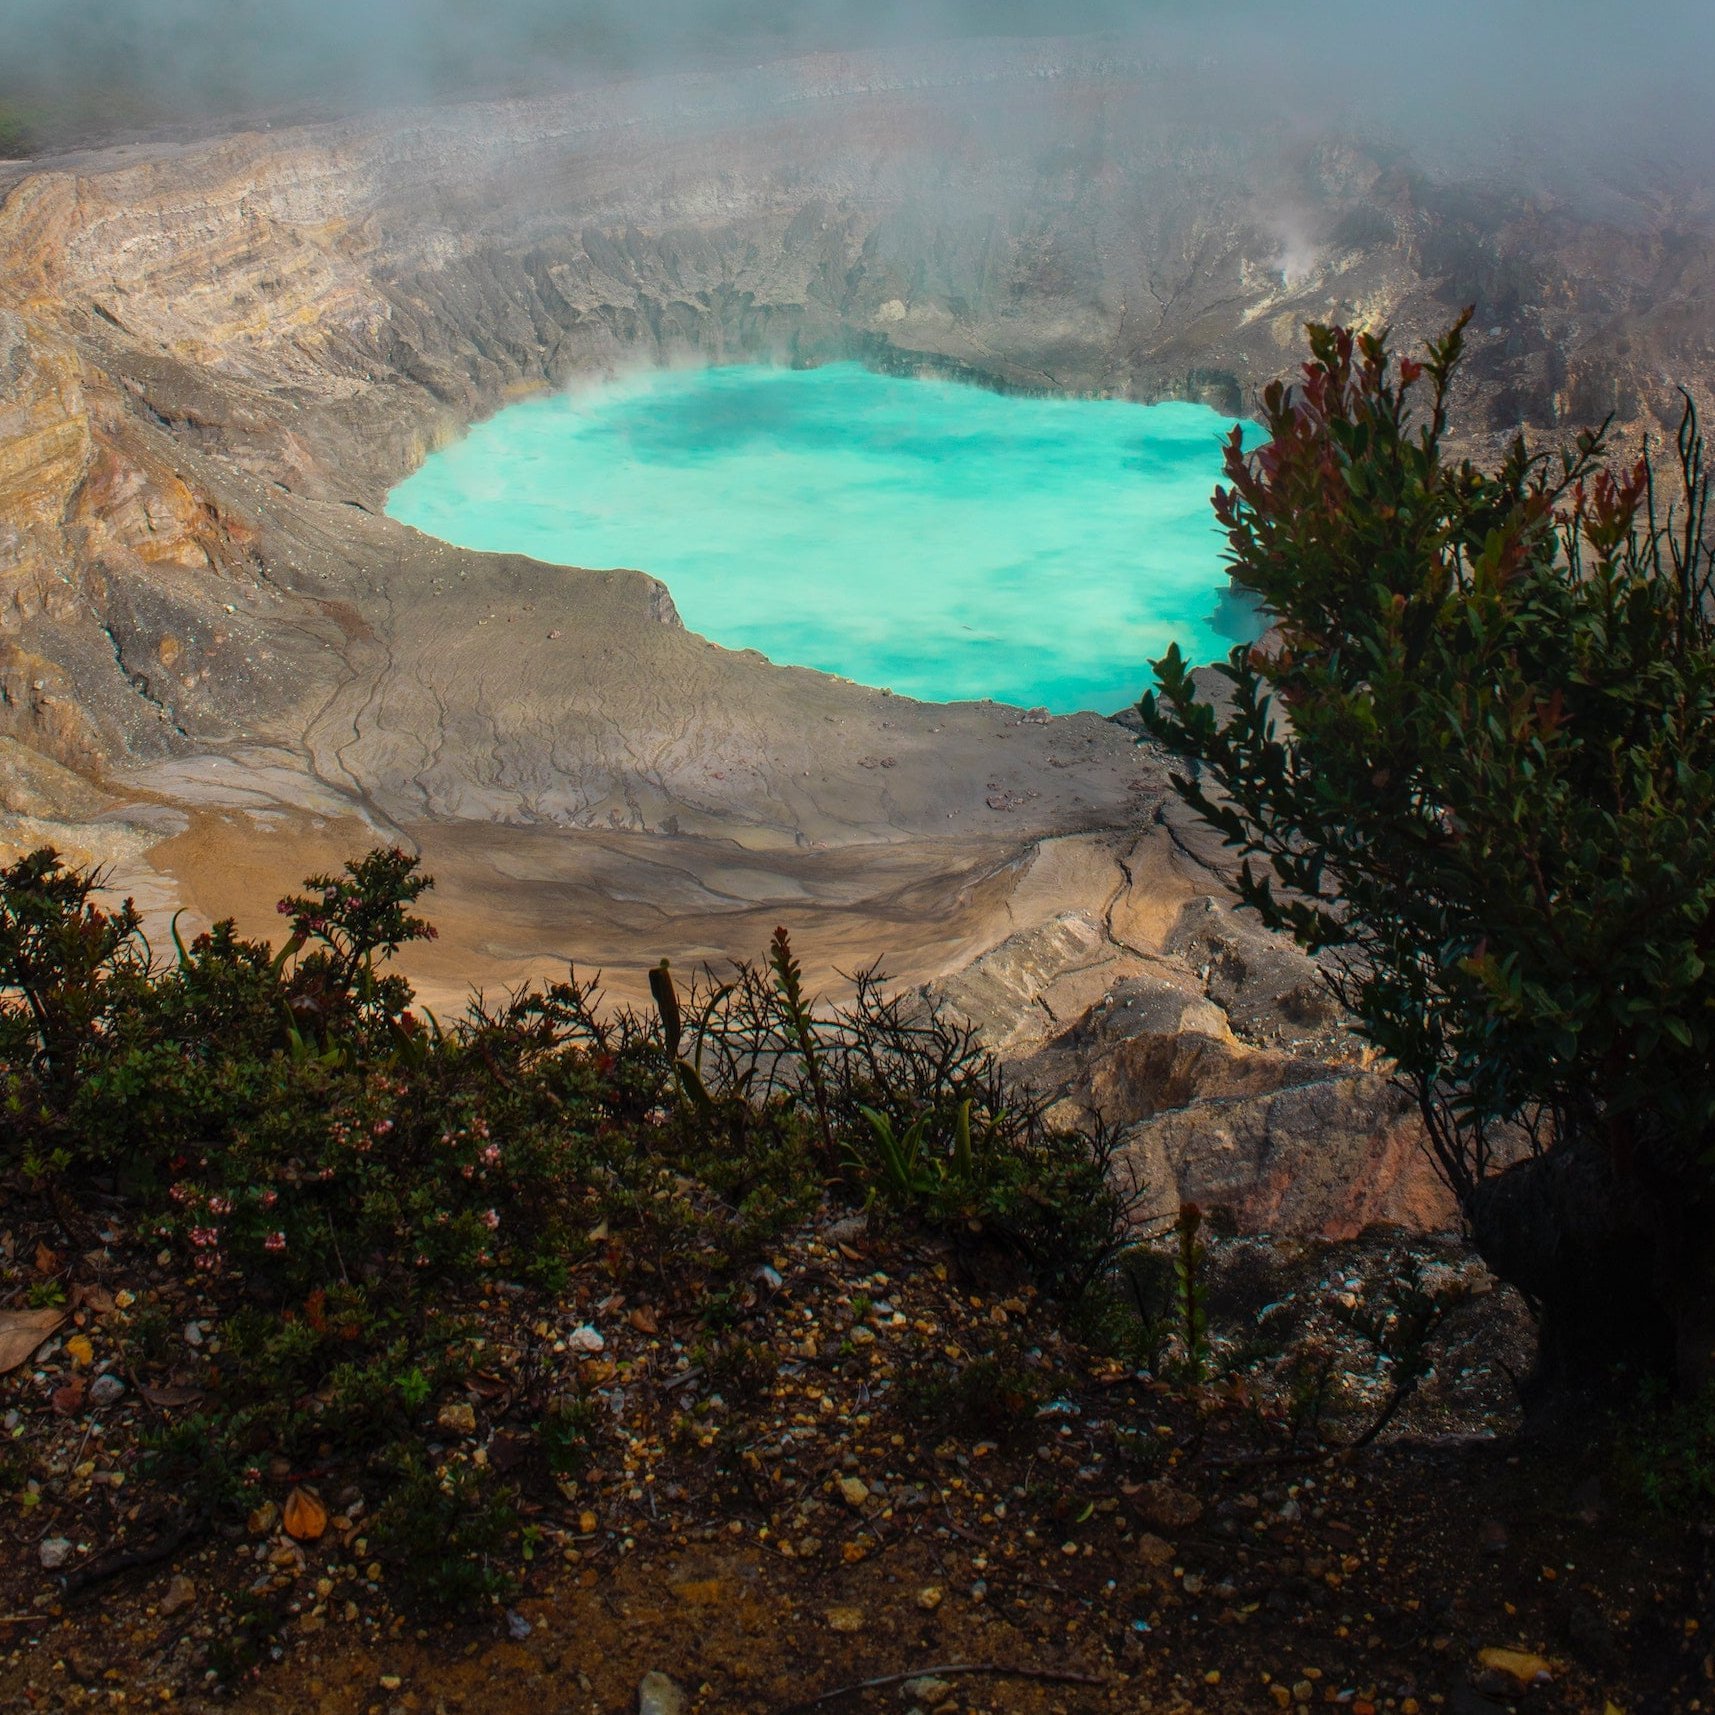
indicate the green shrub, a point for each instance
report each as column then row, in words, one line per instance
column 447, row 1536
column 346, row 1179
column 1666, row 1456
column 1478, row 770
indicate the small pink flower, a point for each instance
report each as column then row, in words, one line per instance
column 274, row 1242
column 491, row 1155
column 382, row 1127
column 269, row 1199
column 490, row 1219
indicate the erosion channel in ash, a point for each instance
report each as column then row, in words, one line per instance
column 944, row 540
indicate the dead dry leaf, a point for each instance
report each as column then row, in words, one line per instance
column 168, row 1397
column 67, row 1401
column 96, row 1298
column 305, row 1517
column 1521, row 1666
column 22, row 1331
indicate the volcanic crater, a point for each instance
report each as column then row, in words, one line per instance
column 222, row 667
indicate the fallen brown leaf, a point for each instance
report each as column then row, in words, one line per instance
column 68, row 1400
column 1521, row 1666
column 96, row 1298
column 47, row 1261
column 22, row 1331
column 305, row 1517
column 168, row 1397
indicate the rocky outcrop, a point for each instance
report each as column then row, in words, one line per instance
column 1216, row 1054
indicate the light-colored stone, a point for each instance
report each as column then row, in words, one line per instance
column 179, row 1594
column 106, row 1389
column 658, row 1695
column 928, row 1690
column 1163, row 1507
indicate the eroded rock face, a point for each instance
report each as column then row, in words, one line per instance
column 1220, row 1059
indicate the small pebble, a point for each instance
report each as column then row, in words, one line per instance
column 106, row 1390
column 658, row 1695
column 180, row 1593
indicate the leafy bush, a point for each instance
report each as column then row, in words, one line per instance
column 1478, row 768
column 346, row 1178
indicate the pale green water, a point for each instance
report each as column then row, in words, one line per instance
column 939, row 539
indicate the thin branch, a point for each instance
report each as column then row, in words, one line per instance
column 1044, row 1675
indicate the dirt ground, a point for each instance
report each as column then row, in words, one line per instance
column 881, row 1460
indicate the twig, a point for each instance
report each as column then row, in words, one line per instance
column 1268, row 1461
column 108, row 1566
column 1045, row 1675
column 969, row 1535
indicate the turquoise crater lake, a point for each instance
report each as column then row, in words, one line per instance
column 939, row 539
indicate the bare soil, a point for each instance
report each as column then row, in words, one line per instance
column 884, row 1457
